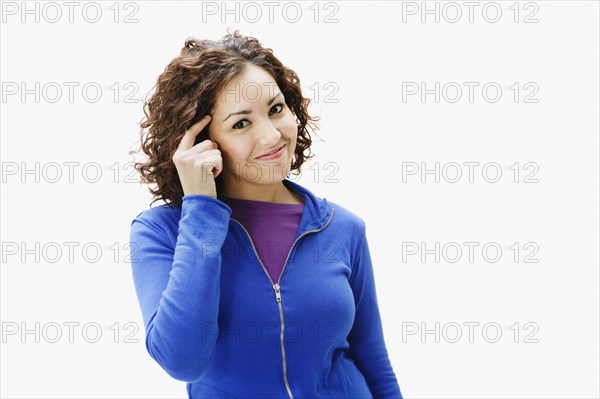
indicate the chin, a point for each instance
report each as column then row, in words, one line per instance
column 275, row 172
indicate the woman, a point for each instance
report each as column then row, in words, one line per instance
column 250, row 286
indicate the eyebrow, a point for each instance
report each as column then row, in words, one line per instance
column 245, row 112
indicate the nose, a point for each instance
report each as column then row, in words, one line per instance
column 269, row 135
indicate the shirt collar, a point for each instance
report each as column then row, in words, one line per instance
column 317, row 210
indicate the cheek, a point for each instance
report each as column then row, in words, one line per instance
column 290, row 127
column 238, row 151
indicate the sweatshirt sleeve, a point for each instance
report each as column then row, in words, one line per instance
column 367, row 344
column 178, row 289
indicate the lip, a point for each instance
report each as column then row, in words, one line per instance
column 274, row 155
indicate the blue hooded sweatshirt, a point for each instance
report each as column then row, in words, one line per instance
column 214, row 317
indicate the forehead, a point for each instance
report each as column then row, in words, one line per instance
column 253, row 86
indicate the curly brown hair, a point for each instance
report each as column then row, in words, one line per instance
column 187, row 90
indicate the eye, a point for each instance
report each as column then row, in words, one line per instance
column 238, row 124
column 278, row 105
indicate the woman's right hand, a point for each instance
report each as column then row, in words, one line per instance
column 198, row 165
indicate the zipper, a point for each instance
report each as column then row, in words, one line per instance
column 277, row 289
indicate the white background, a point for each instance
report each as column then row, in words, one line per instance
column 371, row 135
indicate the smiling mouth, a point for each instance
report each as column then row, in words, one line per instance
column 275, row 153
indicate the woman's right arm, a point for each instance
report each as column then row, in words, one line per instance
column 178, row 289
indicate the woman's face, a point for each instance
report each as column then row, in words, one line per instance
column 249, row 119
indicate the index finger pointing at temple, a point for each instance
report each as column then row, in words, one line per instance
column 187, row 141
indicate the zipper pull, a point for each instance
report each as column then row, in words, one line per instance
column 277, row 293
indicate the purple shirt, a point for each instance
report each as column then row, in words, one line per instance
column 272, row 228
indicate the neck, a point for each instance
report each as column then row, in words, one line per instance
column 276, row 192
